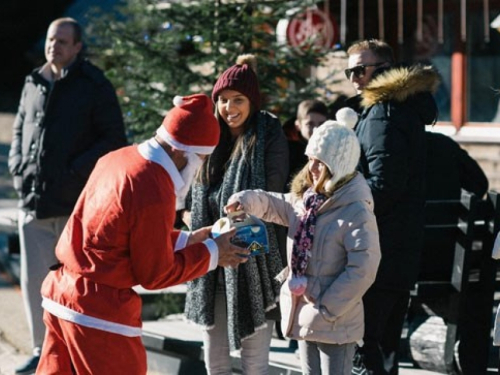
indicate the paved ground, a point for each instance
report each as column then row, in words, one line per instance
column 14, row 336
column 10, row 358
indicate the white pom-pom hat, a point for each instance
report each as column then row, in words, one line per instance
column 335, row 144
column 191, row 125
column 347, row 116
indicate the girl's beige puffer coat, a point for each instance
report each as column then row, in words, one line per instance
column 343, row 264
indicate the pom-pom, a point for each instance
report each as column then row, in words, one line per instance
column 249, row 60
column 347, row 116
column 178, row 100
column 298, row 285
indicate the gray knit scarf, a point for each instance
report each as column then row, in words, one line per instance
column 251, row 289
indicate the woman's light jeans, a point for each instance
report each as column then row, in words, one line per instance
column 254, row 350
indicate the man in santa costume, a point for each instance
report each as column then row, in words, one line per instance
column 121, row 234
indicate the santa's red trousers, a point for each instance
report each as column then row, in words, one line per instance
column 69, row 349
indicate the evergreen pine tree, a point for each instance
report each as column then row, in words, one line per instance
column 152, row 51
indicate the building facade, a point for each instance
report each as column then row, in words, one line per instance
column 461, row 38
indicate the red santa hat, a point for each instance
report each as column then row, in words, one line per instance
column 191, row 125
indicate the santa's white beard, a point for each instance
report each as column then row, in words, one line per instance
column 188, row 174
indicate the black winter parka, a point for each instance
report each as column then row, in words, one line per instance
column 397, row 104
column 59, row 133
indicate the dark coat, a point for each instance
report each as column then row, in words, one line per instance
column 449, row 170
column 397, row 104
column 59, row 133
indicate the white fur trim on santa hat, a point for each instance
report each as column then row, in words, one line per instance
column 164, row 135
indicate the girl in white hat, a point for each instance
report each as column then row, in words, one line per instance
column 333, row 248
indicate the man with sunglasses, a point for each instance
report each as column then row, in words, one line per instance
column 395, row 104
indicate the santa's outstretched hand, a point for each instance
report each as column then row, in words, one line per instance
column 230, row 255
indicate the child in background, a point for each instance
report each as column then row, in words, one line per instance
column 310, row 115
column 333, row 249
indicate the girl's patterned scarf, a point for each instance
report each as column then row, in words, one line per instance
column 303, row 240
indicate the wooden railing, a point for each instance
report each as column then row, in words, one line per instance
column 458, row 277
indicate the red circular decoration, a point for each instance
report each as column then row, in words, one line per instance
column 312, row 29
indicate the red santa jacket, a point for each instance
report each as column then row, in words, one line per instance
column 119, row 235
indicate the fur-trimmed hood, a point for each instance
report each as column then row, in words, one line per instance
column 399, row 83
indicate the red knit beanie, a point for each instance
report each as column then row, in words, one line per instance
column 191, row 125
column 241, row 77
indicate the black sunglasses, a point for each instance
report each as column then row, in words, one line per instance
column 360, row 70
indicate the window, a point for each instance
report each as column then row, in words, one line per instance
column 483, row 70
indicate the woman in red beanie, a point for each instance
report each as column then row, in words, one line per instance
column 237, row 307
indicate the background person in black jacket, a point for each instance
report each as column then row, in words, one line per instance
column 68, row 117
column 449, row 170
column 396, row 104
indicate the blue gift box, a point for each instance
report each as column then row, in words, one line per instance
column 251, row 232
